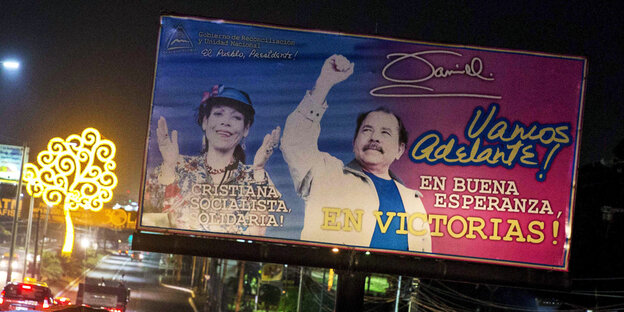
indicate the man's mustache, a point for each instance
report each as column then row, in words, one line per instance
column 374, row 146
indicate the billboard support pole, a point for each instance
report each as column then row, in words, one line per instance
column 357, row 261
column 18, row 193
column 350, row 292
column 322, row 291
column 398, row 294
column 300, row 288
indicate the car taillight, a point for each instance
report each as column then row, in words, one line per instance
column 26, row 287
column 63, row 300
column 46, row 304
column 2, row 297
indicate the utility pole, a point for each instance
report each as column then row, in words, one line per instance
column 28, row 231
column 18, row 196
column 45, row 231
column 34, row 273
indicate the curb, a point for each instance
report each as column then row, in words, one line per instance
column 187, row 290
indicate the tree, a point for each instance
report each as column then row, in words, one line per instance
column 77, row 172
column 51, row 269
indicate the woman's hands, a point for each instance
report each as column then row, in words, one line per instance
column 169, row 150
column 270, row 142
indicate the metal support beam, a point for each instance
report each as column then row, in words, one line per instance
column 350, row 292
column 351, row 260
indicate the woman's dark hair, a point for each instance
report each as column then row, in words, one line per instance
column 204, row 109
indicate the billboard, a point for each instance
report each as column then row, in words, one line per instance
column 106, row 217
column 308, row 137
column 10, row 163
column 7, row 199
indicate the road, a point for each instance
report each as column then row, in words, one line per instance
column 18, row 269
column 147, row 293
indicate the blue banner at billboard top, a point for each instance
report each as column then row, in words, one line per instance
column 257, row 131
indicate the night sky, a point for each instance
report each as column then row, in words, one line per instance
column 91, row 63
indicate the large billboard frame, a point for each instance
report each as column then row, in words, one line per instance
column 485, row 110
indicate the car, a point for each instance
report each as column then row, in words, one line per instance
column 4, row 261
column 27, row 295
column 122, row 252
column 100, row 296
column 62, row 301
column 137, row 256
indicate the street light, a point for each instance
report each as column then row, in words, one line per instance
column 85, row 243
column 11, row 65
column 10, row 69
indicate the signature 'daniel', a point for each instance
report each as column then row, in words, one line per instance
column 473, row 69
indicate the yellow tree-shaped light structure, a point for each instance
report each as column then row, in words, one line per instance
column 77, row 172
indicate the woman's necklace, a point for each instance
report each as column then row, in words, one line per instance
column 218, row 171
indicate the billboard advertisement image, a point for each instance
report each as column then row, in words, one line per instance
column 394, row 146
column 10, row 163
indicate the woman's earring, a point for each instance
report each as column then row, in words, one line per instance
column 243, row 143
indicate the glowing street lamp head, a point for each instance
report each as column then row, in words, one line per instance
column 85, row 243
column 11, row 65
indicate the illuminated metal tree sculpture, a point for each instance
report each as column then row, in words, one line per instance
column 76, row 172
